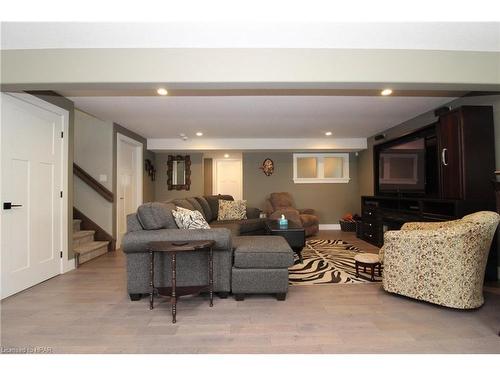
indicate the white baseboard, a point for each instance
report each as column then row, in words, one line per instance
column 329, row 227
column 69, row 265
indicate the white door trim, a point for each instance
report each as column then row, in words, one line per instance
column 139, row 166
column 214, row 174
column 66, row 264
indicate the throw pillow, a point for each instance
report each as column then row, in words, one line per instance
column 213, row 202
column 187, row 219
column 232, row 210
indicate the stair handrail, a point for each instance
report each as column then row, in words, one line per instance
column 93, row 183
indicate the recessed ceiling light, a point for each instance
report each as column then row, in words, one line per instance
column 328, row 133
column 226, row 155
column 199, row 134
column 386, row 92
column 162, row 91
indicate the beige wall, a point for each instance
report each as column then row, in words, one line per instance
column 208, row 176
column 70, row 67
column 93, row 152
column 331, row 201
column 197, row 185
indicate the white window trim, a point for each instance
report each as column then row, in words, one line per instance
column 321, row 179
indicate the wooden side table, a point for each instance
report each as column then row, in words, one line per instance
column 173, row 248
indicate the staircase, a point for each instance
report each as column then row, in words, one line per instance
column 84, row 246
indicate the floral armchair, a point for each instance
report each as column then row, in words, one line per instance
column 442, row 263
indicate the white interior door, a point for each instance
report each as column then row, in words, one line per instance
column 129, row 181
column 228, row 177
column 31, row 228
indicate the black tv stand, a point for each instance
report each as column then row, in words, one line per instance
column 381, row 213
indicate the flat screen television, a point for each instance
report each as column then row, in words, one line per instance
column 401, row 167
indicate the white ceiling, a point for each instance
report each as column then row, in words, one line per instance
column 258, row 116
column 255, row 116
column 460, row 36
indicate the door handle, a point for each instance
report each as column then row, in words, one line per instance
column 9, row 205
column 443, row 156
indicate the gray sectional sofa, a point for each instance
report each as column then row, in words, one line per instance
column 244, row 261
column 209, row 207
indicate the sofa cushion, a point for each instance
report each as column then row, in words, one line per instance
column 189, row 219
column 134, row 242
column 209, row 216
column 246, row 225
column 262, row 252
column 213, row 202
column 156, row 215
column 133, row 223
column 184, row 203
column 252, row 225
column 196, row 205
column 232, row 210
column 234, row 227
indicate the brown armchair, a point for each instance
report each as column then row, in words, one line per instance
column 282, row 204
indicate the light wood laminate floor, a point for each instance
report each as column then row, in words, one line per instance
column 88, row 311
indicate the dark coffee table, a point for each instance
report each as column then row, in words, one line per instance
column 173, row 248
column 294, row 234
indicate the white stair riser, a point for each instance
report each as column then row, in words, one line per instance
column 93, row 254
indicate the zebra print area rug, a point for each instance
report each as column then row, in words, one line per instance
column 328, row 262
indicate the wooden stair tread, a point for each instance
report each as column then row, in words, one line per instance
column 90, row 246
column 82, row 233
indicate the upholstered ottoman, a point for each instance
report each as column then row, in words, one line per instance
column 368, row 260
column 260, row 266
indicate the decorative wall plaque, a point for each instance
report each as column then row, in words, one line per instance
column 267, row 167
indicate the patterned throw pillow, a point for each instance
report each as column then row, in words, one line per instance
column 187, row 219
column 232, row 210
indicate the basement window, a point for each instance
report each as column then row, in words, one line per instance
column 321, row 168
